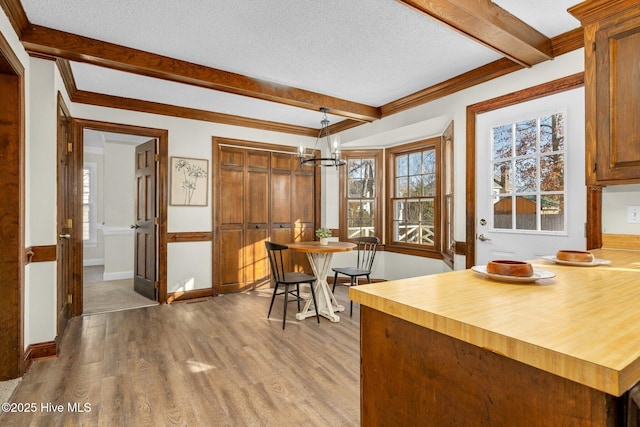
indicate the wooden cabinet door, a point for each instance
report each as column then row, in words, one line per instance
column 617, row 91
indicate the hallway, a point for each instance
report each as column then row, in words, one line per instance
column 114, row 295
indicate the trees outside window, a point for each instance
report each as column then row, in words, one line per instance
column 360, row 202
column 528, row 164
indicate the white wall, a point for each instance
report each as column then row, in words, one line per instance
column 615, row 200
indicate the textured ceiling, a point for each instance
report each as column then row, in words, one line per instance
column 368, row 51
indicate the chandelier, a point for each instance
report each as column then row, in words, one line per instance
column 333, row 146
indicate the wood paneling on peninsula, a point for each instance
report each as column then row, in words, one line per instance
column 571, row 339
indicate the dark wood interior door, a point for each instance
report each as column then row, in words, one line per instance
column 11, row 223
column 144, row 281
column 66, row 200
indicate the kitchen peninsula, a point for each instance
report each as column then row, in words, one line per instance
column 460, row 349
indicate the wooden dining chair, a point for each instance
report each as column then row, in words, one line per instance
column 367, row 248
column 287, row 279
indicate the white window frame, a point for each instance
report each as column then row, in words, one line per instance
column 93, row 204
column 537, row 193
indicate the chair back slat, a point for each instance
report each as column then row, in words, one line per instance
column 276, row 259
column 367, row 248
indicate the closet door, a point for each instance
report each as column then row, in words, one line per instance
column 256, row 208
column 260, row 195
column 281, row 200
column 232, row 220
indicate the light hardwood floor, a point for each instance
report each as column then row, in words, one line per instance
column 218, row 362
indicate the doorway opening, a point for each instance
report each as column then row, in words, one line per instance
column 110, row 217
column 108, row 208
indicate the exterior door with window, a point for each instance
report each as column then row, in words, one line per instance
column 530, row 185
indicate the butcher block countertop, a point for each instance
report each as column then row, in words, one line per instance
column 583, row 324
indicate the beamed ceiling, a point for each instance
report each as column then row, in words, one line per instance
column 274, row 64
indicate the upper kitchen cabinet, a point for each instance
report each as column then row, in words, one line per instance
column 612, row 89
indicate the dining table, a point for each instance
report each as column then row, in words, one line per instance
column 319, row 256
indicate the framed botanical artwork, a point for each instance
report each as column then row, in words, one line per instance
column 189, row 182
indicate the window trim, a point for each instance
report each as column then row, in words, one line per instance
column 377, row 155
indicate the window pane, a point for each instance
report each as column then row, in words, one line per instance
column 526, row 175
column 85, row 222
column 552, row 212
column 399, row 210
column 429, row 185
column 356, row 188
column 413, row 211
column 402, row 187
column 502, row 141
column 415, row 187
column 429, row 161
column 526, row 208
column 355, row 169
column 502, row 177
column 368, row 176
column 402, row 165
column 503, row 213
column 552, row 133
column 415, row 164
column 526, row 132
column 552, row 173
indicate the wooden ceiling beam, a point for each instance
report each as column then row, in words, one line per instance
column 47, row 41
column 489, row 24
column 121, row 103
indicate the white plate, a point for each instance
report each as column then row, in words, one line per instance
column 553, row 260
column 537, row 275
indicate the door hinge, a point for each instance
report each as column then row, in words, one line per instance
column 69, row 223
column 156, row 285
column 156, row 157
column 69, row 299
column 155, row 221
column 69, row 147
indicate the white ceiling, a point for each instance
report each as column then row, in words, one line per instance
column 367, row 51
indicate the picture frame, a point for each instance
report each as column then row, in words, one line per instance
column 189, row 182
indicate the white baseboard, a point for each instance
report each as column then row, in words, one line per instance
column 92, row 262
column 117, row 275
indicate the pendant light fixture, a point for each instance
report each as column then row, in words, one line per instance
column 333, row 148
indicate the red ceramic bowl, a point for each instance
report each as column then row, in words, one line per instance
column 574, row 256
column 508, row 267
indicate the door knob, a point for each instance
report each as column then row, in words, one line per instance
column 483, row 238
column 64, row 236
